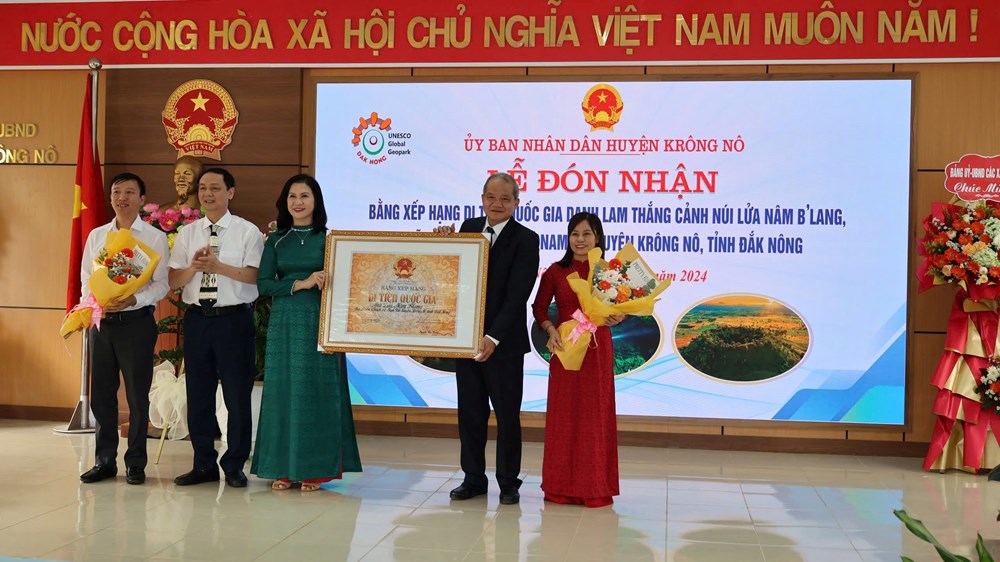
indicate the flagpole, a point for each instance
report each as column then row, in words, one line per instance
column 95, row 67
column 83, row 420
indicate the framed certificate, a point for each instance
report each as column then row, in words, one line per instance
column 404, row 293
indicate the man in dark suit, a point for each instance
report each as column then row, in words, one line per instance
column 496, row 374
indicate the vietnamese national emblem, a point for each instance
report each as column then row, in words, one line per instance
column 200, row 117
column 602, row 107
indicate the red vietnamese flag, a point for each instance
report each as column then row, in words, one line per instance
column 88, row 202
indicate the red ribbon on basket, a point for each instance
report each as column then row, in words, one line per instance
column 583, row 325
column 96, row 311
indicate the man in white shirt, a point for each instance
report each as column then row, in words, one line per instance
column 215, row 259
column 125, row 340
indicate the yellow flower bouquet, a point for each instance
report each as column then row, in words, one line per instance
column 123, row 267
column 623, row 286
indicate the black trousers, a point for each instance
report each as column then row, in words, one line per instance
column 219, row 348
column 500, row 381
column 125, row 344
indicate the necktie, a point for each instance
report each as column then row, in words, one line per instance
column 209, row 291
column 492, row 232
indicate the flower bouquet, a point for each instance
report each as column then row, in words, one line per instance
column 170, row 221
column 989, row 386
column 623, row 286
column 123, row 267
column 960, row 246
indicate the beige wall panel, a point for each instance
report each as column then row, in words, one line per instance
column 368, row 413
column 595, row 72
column 36, row 200
column 314, row 75
column 447, row 417
column 873, row 435
column 470, row 74
column 308, row 141
column 926, row 352
column 956, row 111
column 268, row 102
column 663, row 426
column 39, row 368
column 709, row 71
column 53, row 101
column 828, row 69
column 528, row 419
column 257, row 188
column 788, row 432
column 932, row 307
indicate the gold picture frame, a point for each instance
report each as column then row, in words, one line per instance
column 404, row 293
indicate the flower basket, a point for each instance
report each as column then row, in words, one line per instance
column 960, row 246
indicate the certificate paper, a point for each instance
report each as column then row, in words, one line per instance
column 404, row 293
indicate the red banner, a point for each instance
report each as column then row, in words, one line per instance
column 480, row 33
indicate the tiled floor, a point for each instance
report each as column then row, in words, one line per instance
column 675, row 504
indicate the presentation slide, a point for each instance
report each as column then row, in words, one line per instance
column 777, row 209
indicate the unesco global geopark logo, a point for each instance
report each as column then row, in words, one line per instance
column 376, row 140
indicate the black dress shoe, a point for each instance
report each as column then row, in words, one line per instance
column 236, row 479
column 98, row 473
column 135, row 475
column 509, row 495
column 466, row 491
column 197, row 476
column 994, row 475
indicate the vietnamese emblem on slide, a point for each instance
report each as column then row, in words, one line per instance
column 200, row 118
column 602, row 107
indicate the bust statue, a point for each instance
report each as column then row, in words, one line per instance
column 187, row 170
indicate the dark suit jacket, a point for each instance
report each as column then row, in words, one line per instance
column 510, row 277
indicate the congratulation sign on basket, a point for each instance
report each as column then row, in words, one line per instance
column 974, row 177
column 200, row 117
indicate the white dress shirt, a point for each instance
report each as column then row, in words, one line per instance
column 240, row 245
column 492, row 238
column 496, row 231
column 157, row 286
